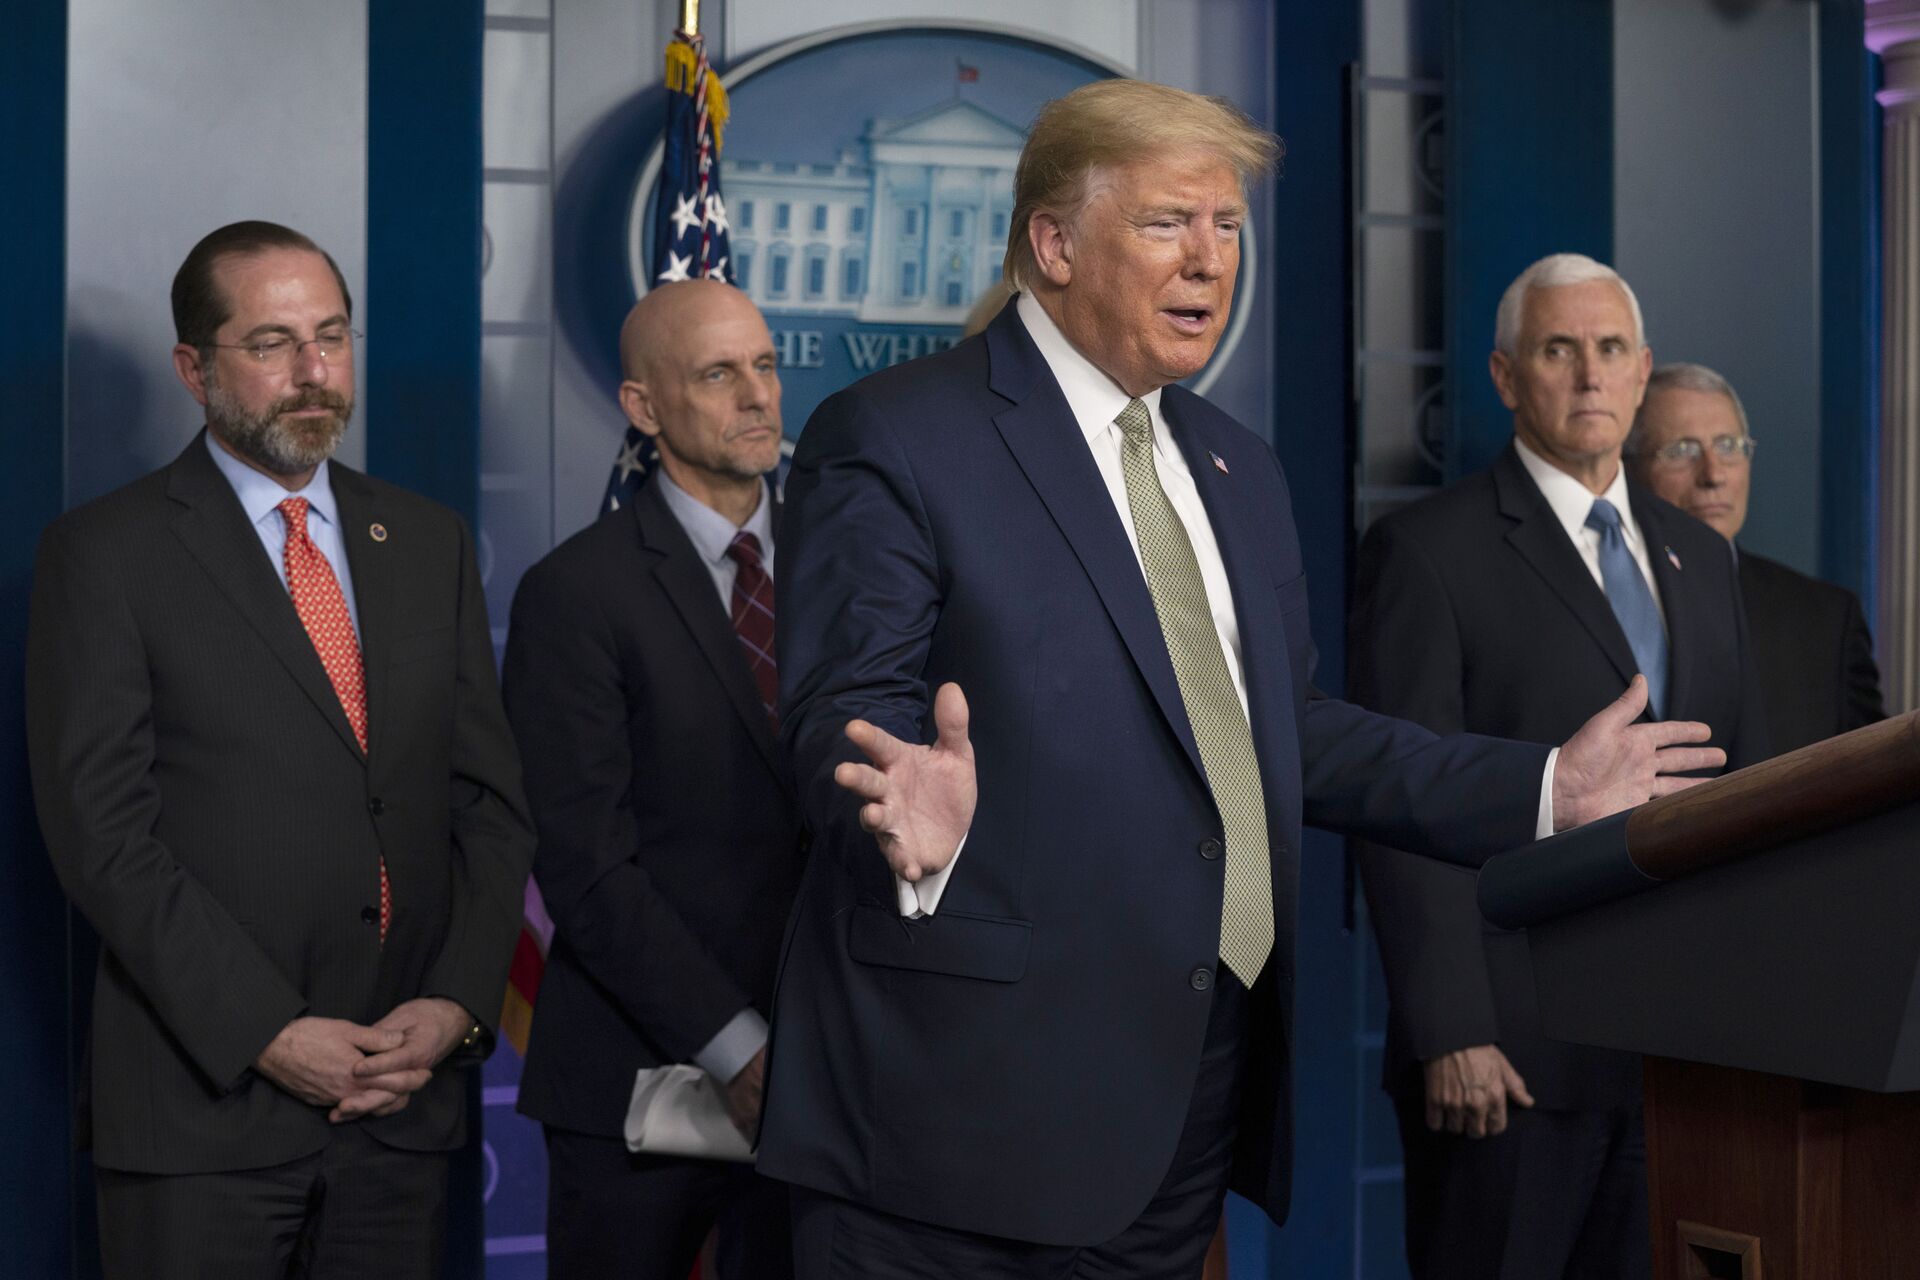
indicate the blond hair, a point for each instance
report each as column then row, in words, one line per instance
column 1111, row 123
column 986, row 307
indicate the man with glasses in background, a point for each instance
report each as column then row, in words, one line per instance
column 1810, row 641
column 273, row 772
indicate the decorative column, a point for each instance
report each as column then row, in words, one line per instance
column 1893, row 32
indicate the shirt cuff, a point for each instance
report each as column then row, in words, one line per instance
column 727, row 1054
column 923, row 898
column 1543, row 823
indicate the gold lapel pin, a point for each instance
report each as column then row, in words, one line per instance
column 378, row 532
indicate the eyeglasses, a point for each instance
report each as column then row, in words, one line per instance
column 280, row 353
column 1684, row 452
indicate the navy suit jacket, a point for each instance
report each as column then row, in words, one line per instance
column 1021, row 1063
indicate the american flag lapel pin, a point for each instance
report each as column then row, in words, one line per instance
column 1220, row 465
column 1673, row 560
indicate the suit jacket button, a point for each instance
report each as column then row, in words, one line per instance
column 1211, row 848
column 370, row 915
column 376, row 806
column 1200, row 979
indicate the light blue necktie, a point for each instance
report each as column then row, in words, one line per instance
column 1632, row 603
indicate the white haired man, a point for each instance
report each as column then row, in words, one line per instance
column 1691, row 446
column 1509, row 604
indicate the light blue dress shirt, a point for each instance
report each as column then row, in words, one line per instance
column 260, row 497
column 711, row 533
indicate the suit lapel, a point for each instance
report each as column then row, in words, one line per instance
column 1677, row 603
column 1040, row 432
column 371, row 564
column 688, row 586
column 209, row 521
column 1542, row 542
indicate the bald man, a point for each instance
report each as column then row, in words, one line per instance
column 640, row 683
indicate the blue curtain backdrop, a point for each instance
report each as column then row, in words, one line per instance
column 422, row 392
column 35, row 1216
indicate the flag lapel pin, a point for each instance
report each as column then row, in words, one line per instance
column 1220, row 465
column 1673, row 560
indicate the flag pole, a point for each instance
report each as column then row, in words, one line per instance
column 690, row 17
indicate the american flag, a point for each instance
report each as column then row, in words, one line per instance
column 689, row 217
column 528, row 967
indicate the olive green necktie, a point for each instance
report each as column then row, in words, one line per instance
column 1213, row 709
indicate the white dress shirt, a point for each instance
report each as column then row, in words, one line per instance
column 1571, row 501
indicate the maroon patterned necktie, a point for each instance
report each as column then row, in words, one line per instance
column 322, row 607
column 753, row 620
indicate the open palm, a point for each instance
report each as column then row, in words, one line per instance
column 1613, row 763
column 919, row 799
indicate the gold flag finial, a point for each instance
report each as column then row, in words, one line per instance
column 690, row 17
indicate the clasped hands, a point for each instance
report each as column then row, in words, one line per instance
column 364, row 1071
column 919, row 800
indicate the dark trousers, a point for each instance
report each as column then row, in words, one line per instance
column 836, row 1239
column 354, row 1208
column 612, row 1213
column 1561, row 1195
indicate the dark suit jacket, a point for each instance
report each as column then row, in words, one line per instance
column 1021, row 1063
column 668, row 840
column 1474, row 611
column 1815, row 657
column 210, row 813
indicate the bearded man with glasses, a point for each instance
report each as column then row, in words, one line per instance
column 1691, row 446
column 274, row 773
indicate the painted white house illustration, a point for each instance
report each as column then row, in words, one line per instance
column 911, row 231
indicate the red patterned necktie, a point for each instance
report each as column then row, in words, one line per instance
column 323, row 612
column 753, row 619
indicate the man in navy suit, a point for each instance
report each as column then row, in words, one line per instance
column 1043, row 1024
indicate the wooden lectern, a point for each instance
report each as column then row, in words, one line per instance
column 1758, row 938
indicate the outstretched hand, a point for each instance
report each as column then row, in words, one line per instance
column 919, row 799
column 1613, row 764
